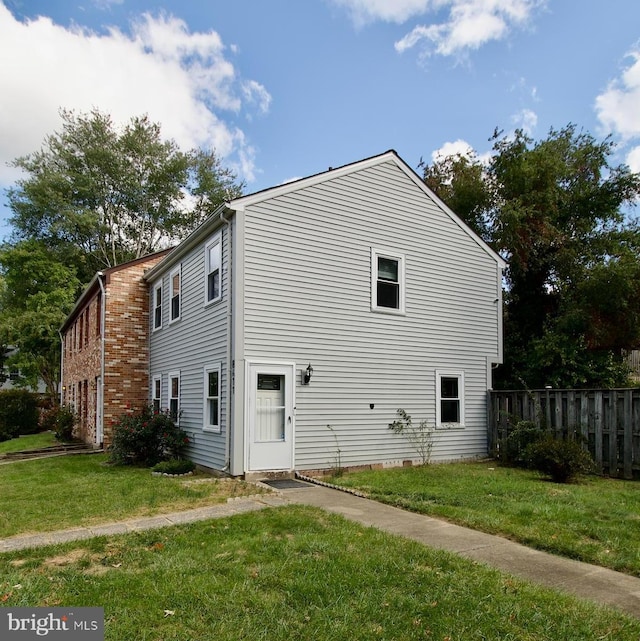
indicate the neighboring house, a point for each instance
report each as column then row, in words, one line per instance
column 105, row 349
column 9, row 375
column 333, row 301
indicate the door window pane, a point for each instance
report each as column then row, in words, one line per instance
column 270, row 408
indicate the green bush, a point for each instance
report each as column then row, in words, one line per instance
column 174, row 466
column 61, row 420
column 513, row 448
column 18, row 413
column 146, row 438
column 562, row 460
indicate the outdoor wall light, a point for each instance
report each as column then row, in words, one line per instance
column 307, row 374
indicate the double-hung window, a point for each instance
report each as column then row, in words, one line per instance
column 212, row 399
column 174, row 396
column 449, row 399
column 213, row 269
column 156, row 394
column 175, row 284
column 157, row 306
column 387, row 282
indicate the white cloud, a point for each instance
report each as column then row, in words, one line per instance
column 457, row 148
column 365, row 11
column 526, row 119
column 633, row 159
column 460, row 148
column 106, row 4
column 618, row 108
column 467, row 24
column 182, row 79
column 255, row 93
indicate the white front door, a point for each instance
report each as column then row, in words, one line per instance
column 270, row 416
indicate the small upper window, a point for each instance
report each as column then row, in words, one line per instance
column 387, row 282
column 157, row 305
column 213, row 269
column 450, row 399
column 175, row 294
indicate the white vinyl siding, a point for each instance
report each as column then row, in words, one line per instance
column 212, row 378
column 199, row 340
column 213, row 270
column 307, row 299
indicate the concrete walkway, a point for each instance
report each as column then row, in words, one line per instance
column 581, row 579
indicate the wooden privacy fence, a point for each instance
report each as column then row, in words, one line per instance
column 607, row 421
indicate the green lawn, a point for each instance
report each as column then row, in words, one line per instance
column 29, row 442
column 294, row 573
column 69, row 491
column 596, row 520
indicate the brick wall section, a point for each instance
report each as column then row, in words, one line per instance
column 126, row 349
column 81, row 367
column 126, row 372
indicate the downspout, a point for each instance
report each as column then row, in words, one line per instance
column 102, row 352
column 229, row 421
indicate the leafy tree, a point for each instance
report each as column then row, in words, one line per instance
column 555, row 209
column 460, row 181
column 93, row 196
column 38, row 292
column 109, row 195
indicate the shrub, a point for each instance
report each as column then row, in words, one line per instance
column 174, row 466
column 146, row 438
column 560, row 459
column 420, row 437
column 513, row 448
column 62, row 420
column 18, row 413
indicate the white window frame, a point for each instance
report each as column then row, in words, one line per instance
column 214, row 241
column 206, row 426
column 157, row 287
column 154, row 398
column 176, row 418
column 390, row 255
column 178, row 271
column 440, row 374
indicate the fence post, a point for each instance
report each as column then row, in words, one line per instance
column 613, row 433
column 597, row 427
column 628, row 434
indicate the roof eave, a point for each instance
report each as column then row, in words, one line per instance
column 200, row 232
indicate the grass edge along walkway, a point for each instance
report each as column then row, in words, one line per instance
column 580, row 579
column 295, row 572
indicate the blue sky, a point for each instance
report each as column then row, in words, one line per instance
column 287, row 88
